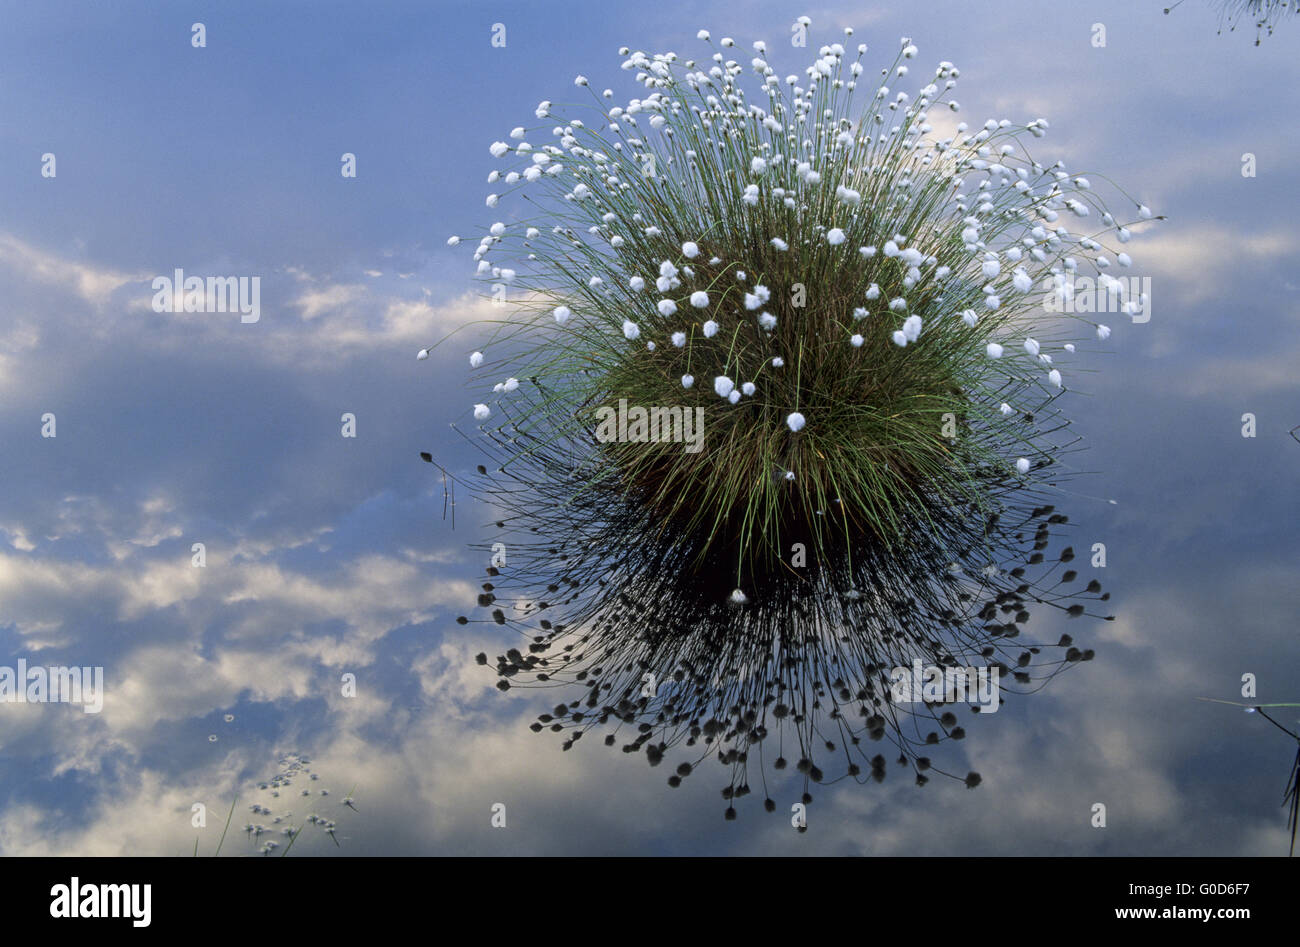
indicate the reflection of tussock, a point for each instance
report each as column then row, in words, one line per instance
column 799, row 674
column 1265, row 14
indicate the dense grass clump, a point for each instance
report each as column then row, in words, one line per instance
column 825, row 283
column 870, row 305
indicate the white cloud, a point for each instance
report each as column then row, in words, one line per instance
column 94, row 284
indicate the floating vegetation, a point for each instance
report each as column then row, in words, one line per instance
column 870, row 307
column 277, row 828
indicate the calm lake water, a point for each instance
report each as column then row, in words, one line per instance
column 318, row 638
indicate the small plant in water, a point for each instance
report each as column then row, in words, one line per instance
column 274, row 828
column 1291, row 795
column 868, row 301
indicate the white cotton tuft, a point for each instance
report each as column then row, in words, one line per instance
column 968, row 316
column 482, row 412
column 1005, row 408
column 421, row 355
column 856, row 341
column 510, row 384
column 631, row 330
column 562, row 314
column 873, row 291
column 835, row 236
column 688, row 381
column 637, row 284
column 710, row 329
column 1031, row 346
column 1103, row 332
column 667, row 307
column 700, row 299
column 723, row 386
column 1022, row 465
column 679, row 339
column 994, row 350
column 1144, row 212
column 1054, row 376
column 900, row 338
column 778, row 362
column 748, row 388
column 498, row 148
column 734, row 396
column 780, row 244
column 757, row 165
column 476, row 359
column 795, row 422
column 690, row 250
column 767, row 321
column 738, row 597
column 452, row 241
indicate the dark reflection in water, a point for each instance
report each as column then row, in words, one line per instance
column 1265, row 14
column 637, row 630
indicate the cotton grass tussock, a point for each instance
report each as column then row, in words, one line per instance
column 726, row 224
